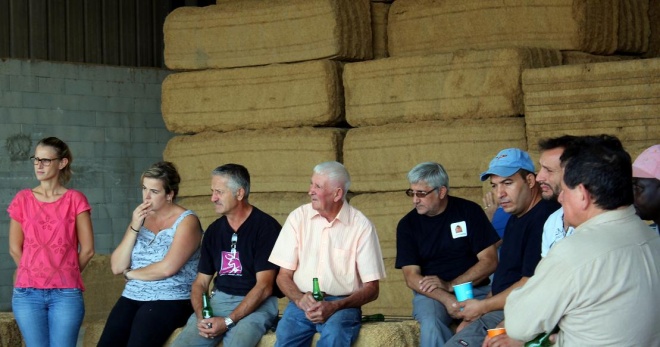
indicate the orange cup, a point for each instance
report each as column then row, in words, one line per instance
column 495, row 332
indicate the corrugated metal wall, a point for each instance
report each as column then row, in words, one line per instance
column 112, row 32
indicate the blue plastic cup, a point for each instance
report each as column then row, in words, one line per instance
column 463, row 291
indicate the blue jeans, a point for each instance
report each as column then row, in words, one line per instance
column 246, row 333
column 48, row 317
column 433, row 318
column 475, row 333
column 340, row 330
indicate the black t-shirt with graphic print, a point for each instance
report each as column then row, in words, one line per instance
column 237, row 271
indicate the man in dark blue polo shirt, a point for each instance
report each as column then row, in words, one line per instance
column 512, row 179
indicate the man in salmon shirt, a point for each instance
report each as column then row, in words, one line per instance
column 330, row 240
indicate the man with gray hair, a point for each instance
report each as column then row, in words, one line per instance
column 235, row 250
column 443, row 241
column 330, row 240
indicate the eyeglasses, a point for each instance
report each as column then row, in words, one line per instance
column 45, row 161
column 418, row 194
column 234, row 239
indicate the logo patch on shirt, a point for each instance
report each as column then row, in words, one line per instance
column 458, row 229
column 231, row 264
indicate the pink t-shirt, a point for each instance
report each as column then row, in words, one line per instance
column 50, row 243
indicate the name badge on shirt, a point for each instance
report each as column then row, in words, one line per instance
column 458, row 229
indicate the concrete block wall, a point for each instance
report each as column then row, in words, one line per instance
column 109, row 116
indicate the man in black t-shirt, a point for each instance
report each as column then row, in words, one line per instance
column 512, row 179
column 235, row 250
column 443, row 241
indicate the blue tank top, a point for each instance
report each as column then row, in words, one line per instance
column 150, row 248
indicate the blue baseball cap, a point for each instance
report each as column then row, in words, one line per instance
column 507, row 162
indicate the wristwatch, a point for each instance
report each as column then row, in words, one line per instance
column 229, row 323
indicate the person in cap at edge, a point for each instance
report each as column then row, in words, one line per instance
column 549, row 178
column 512, row 179
column 646, row 185
column 599, row 285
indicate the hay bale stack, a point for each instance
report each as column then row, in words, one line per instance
column 394, row 298
column 390, row 333
column 379, row 12
column 618, row 98
column 634, row 27
column 10, row 334
column 576, row 57
column 384, row 210
column 100, row 285
column 428, row 26
column 654, row 36
column 379, row 158
column 279, row 160
column 283, row 96
column 463, row 84
column 250, row 33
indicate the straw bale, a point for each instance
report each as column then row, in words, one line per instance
column 428, row 26
column 634, row 26
column 379, row 11
column 10, row 334
column 395, row 298
column 284, row 95
column 281, row 160
column 390, row 333
column 384, row 210
column 576, row 57
column 654, row 36
column 250, row 33
column 379, row 158
column 102, row 288
column 463, row 84
column 617, row 98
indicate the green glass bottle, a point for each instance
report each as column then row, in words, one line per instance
column 207, row 311
column 316, row 291
column 542, row 340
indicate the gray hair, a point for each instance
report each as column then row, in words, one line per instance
column 431, row 173
column 336, row 173
column 237, row 177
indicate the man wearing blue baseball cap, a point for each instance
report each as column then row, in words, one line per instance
column 512, row 179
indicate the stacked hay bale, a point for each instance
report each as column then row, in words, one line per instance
column 598, row 96
column 287, row 84
column 270, row 95
column 10, row 334
column 618, row 98
column 428, row 108
column 452, row 92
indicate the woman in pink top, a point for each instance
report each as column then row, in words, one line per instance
column 51, row 241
